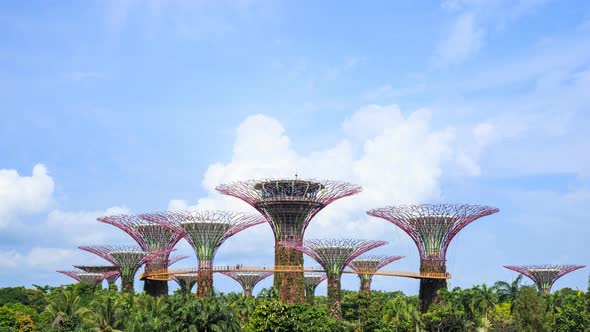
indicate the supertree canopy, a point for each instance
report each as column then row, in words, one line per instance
column 312, row 280
column 544, row 275
column 150, row 237
column 205, row 231
column 185, row 281
column 101, row 269
column 432, row 227
column 90, row 278
column 334, row 255
column 289, row 205
column 128, row 259
column 248, row 280
column 366, row 266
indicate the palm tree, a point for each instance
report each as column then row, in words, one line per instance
column 508, row 292
column 484, row 299
column 106, row 315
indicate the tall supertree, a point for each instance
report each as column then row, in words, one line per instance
column 312, row 280
column 366, row 266
column 92, row 279
column 544, row 275
column 150, row 237
column 101, row 269
column 334, row 255
column 289, row 205
column 248, row 280
column 185, row 281
column 432, row 227
column 205, row 231
column 128, row 260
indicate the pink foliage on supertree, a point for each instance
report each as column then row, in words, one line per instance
column 372, row 263
column 247, row 280
column 544, row 275
column 92, row 278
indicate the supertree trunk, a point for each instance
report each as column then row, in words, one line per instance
column 205, row 279
column 247, row 292
column 334, row 310
column 310, row 294
column 430, row 287
column 289, row 284
column 127, row 284
column 155, row 287
column 366, row 282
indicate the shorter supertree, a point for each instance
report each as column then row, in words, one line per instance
column 334, row 255
column 128, row 260
column 101, row 269
column 366, row 266
column 312, row 280
column 248, row 280
column 185, row 281
column 91, row 279
column 544, row 275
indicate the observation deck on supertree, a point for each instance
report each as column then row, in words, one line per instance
column 92, row 279
column 544, row 275
column 366, row 266
column 432, row 227
column 128, row 259
column 205, row 231
column 289, row 205
column 101, row 269
column 312, row 280
column 185, row 281
column 248, row 280
column 334, row 255
column 150, row 237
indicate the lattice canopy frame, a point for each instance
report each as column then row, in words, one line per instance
column 289, row 205
column 205, row 231
column 334, row 255
column 312, row 280
column 186, row 281
column 366, row 266
column 248, row 280
column 544, row 276
column 128, row 260
column 101, row 269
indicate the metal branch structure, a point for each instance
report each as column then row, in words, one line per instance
column 289, row 205
column 150, row 237
column 312, row 280
column 128, row 259
column 89, row 278
column 101, row 269
column 432, row 227
column 205, row 231
column 248, row 280
column 185, row 281
column 366, row 266
column 334, row 255
column 544, row 275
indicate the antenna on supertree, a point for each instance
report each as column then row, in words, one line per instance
column 334, row 255
column 205, row 231
column 248, row 280
column 289, row 205
column 185, row 281
column 432, row 227
column 92, row 279
column 544, row 275
column 366, row 266
column 150, row 237
column 312, row 280
column 101, row 269
column 128, row 260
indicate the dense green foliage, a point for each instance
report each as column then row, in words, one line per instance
column 503, row 307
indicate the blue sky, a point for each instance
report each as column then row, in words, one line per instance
column 138, row 106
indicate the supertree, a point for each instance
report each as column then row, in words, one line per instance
column 92, row 279
column 366, row 266
column 101, row 269
column 432, row 227
column 185, row 281
column 312, row 280
column 128, row 260
column 150, row 237
column 205, row 231
column 544, row 275
column 248, row 280
column 334, row 255
column 289, row 205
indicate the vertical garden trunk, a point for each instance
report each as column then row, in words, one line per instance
column 127, row 284
column 290, row 285
column 155, row 287
column 365, row 282
column 247, row 292
column 205, row 279
column 310, row 294
column 430, row 287
column 333, row 303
